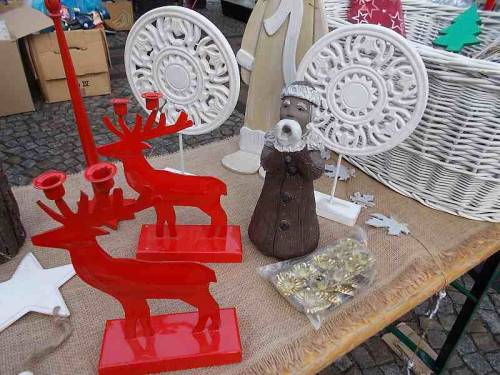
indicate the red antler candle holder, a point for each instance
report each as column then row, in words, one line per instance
column 120, row 106
column 217, row 242
column 101, row 175
column 152, row 99
column 140, row 343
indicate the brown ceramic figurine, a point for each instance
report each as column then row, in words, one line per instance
column 284, row 223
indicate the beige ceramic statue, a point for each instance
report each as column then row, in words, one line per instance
column 277, row 36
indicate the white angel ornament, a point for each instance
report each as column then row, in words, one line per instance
column 277, row 36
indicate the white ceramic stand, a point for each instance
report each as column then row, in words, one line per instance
column 339, row 210
column 376, row 96
column 180, row 53
column 181, row 155
column 336, row 209
column 247, row 159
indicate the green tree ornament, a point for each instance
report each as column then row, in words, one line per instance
column 462, row 32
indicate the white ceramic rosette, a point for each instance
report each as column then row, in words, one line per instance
column 373, row 86
column 181, row 54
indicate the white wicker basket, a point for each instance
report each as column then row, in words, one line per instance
column 452, row 160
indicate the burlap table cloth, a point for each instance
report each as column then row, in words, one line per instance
column 275, row 337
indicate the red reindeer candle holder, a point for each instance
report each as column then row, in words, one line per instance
column 166, row 240
column 140, row 343
column 217, row 242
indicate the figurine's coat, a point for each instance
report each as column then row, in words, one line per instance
column 284, row 224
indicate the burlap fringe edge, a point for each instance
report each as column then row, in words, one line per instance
column 296, row 357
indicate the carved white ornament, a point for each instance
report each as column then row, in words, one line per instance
column 183, row 55
column 373, row 87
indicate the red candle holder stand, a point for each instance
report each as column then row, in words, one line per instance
column 217, row 243
column 166, row 240
column 140, row 343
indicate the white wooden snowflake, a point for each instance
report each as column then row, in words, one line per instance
column 363, row 200
column 345, row 173
column 394, row 228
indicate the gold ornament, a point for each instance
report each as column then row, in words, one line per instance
column 320, row 284
column 324, row 261
column 303, row 270
column 344, row 289
column 327, row 279
column 313, row 302
column 334, row 299
column 287, row 283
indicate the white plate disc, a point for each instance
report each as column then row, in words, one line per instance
column 373, row 86
column 180, row 53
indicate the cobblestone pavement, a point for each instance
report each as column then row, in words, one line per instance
column 478, row 353
column 47, row 138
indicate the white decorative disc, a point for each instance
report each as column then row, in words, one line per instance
column 183, row 55
column 373, row 87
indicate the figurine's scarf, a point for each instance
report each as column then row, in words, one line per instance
column 271, row 140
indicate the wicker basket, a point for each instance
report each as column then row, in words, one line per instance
column 452, row 160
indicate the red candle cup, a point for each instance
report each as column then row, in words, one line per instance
column 101, row 175
column 152, row 99
column 120, row 106
column 52, row 184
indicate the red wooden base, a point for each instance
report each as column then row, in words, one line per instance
column 192, row 243
column 173, row 347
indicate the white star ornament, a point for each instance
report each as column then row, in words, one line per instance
column 33, row 288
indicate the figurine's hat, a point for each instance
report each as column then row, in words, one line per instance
column 303, row 90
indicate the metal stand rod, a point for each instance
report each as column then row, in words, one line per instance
column 335, row 180
column 181, row 153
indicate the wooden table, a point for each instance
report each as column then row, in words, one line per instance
column 275, row 337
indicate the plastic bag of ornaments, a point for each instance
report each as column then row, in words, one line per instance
column 316, row 284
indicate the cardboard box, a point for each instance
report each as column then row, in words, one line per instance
column 121, row 13
column 7, row 5
column 15, row 96
column 89, row 52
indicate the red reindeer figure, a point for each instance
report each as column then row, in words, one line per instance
column 130, row 281
column 167, row 190
column 141, row 343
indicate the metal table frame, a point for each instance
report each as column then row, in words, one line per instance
column 483, row 275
